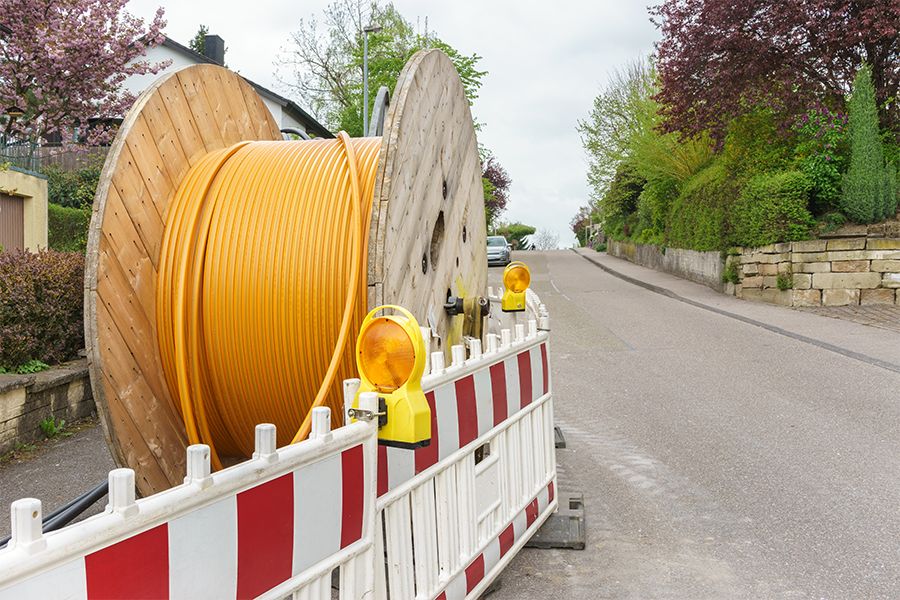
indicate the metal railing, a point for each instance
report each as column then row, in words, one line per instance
column 20, row 153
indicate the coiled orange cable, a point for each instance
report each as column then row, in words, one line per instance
column 261, row 282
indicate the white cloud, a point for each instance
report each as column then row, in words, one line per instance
column 546, row 62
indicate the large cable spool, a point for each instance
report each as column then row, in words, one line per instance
column 426, row 236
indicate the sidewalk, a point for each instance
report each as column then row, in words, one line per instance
column 883, row 317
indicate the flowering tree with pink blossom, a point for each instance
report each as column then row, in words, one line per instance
column 62, row 64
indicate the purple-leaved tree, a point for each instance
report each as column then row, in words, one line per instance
column 719, row 59
column 62, row 64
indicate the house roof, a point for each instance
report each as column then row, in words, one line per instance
column 287, row 105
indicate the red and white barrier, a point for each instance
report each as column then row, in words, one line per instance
column 446, row 518
column 278, row 523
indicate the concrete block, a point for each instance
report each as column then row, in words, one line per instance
column 850, row 266
column 802, row 281
column 729, row 288
column 811, row 257
column 851, row 244
column 770, row 282
column 785, row 267
column 783, row 247
column 813, row 267
column 857, row 281
column 807, row 297
column 809, row 246
column 881, row 296
column 768, row 269
column 772, row 258
column 891, row 280
column 751, row 269
column 883, row 244
column 776, row 296
column 886, row 266
column 738, row 290
column 752, row 294
column 850, row 255
column 752, row 282
column 836, row 297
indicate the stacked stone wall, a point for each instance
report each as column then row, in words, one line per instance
column 841, row 272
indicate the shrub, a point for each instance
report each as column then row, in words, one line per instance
column 869, row 187
column 73, row 189
column 772, row 208
column 699, row 216
column 41, row 307
column 730, row 273
column 821, row 155
column 67, row 228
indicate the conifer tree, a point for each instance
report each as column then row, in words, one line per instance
column 869, row 187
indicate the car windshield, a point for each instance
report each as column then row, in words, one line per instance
column 496, row 241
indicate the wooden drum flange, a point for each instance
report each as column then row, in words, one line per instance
column 427, row 236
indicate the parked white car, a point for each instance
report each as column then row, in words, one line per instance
column 498, row 250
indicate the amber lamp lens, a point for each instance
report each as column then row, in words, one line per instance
column 386, row 354
column 517, row 279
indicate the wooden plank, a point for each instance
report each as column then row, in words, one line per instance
column 159, row 464
column 165, row 139
column 140, row 206
column 179, row 115
column 151, row 166
column 193, row 87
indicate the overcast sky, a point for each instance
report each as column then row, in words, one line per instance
column 546, row 61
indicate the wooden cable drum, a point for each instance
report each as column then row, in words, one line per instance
column 425, row 240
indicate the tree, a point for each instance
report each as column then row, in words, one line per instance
column 62, row 64
column 515, row 233
column 545, row 239
column 869, row 188
column 580, row 225
column 198, row 44
column 496, row 182
column 718, row 59
column 622, row 139
column 326, row 69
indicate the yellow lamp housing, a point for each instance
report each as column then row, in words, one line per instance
column 390, row 356
column 516, row 279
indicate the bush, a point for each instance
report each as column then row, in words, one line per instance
column 869, row 187
column 699, row 216
column 41, row 307
column 68, row 228
column 73, row 189
column 772, row 209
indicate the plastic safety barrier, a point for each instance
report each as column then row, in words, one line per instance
column 440, row 522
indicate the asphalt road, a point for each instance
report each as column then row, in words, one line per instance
column 725, row 449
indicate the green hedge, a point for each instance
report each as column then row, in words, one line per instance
column 773, row 208
column 67, row 228
column 699, row 216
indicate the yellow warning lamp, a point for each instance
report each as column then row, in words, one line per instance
column 390, row 356
column 516, row 279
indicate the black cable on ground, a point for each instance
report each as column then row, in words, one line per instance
column 65, row 514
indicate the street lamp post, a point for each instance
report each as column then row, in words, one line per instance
column 366, row 32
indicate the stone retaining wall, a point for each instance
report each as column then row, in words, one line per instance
column 700, row 267
column 63, row 392
column 842, row 272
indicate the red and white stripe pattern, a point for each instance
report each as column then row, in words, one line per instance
column 467, row 408
column 481, row 567
column 237, row 547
